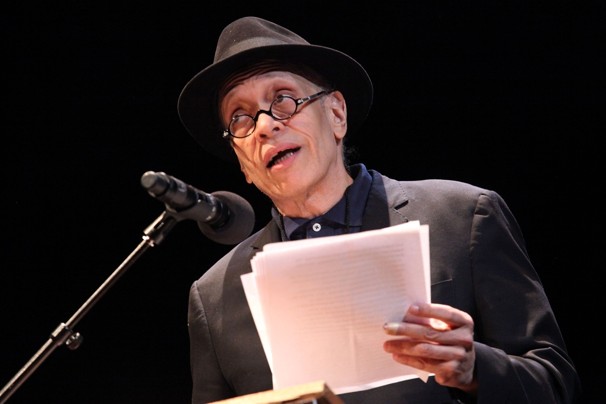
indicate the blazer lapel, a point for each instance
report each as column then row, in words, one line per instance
column 385, row 201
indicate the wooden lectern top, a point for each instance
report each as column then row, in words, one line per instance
column 314, row 392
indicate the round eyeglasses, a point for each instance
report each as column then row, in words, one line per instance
column 283, row 107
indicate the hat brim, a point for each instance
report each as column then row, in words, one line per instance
column 197, row 103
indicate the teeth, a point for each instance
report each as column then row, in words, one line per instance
column 281, row 156
column 284, row 156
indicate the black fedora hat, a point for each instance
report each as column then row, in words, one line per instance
column 248, row 41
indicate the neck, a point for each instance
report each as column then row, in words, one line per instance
column 317, row 200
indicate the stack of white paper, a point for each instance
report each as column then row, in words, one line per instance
column 320, row 304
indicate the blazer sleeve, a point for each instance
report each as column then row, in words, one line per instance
column 203, row 361
column 520, row 352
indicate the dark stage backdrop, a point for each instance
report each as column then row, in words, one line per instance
column 504, row 95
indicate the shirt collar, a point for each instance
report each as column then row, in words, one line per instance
column 355, row 195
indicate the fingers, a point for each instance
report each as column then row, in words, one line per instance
column 437, row 339
column 457, row 372
column 452, row 364
column 422, row 349
column 448, row 315
column 435, row 322
column 440, row 334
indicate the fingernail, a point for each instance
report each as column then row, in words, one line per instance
column 391, row 328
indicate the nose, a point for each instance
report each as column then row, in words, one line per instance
column 265, row 124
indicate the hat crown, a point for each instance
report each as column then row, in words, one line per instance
column 253, row 32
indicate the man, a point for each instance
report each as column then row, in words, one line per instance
column 282, row 108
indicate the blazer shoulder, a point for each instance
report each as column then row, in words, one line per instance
column 434, row 188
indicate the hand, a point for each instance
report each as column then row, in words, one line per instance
column 438, row 339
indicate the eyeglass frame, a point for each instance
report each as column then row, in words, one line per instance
column 298, row 102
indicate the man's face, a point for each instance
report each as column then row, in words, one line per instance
column 292, row 158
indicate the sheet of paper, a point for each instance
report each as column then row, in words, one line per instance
column 319, row 305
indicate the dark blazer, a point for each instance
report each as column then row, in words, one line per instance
column 479, row 264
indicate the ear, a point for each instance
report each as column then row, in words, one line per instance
column 338, row 114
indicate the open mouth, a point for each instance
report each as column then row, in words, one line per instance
column 281, row 156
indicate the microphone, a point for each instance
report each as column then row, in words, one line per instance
column 222, row 216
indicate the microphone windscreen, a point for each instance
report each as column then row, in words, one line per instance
column 239, row 224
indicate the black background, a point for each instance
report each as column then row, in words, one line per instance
column 505, row 95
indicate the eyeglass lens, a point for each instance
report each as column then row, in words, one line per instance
column 281, row 108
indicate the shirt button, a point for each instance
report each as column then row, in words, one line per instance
column 316, row 227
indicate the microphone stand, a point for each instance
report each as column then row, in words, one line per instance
column 153, row 235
